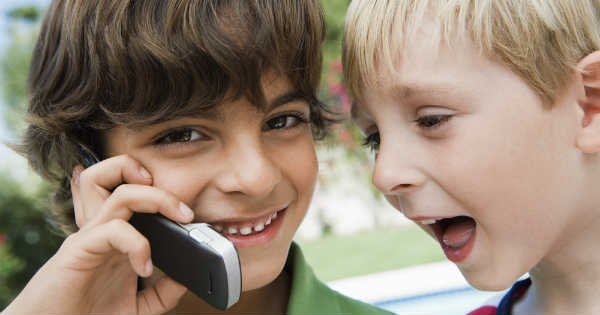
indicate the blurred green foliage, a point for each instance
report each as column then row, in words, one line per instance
column 335, row 14
column 333, row 91
column 9, row 265
column 26, row 239
column 27, row 13
column 14, row 66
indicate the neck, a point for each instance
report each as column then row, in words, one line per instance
column 567, row 280
column 270, row 299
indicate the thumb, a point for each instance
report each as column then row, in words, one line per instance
column 161, row 297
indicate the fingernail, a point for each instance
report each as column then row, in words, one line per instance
column 145, row 173
column 186, row 211
column 148, row 267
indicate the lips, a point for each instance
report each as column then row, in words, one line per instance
column 246, row 227
column 252, row 232
column 456, row 235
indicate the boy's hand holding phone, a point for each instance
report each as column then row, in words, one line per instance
column 96, row 269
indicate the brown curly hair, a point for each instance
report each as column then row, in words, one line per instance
column 99, row 64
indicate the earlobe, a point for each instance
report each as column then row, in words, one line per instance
column 588, row 138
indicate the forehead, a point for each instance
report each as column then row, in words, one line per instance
column 424, row 73
column 378, row 34
column 422, row 64
column 275, row 88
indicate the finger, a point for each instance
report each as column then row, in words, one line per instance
column 116, row 170
column 97, row 181
column 77, row 205
column 129, row 198
column 96, row 245
column 161, row 297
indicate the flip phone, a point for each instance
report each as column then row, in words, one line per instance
column 194, row 255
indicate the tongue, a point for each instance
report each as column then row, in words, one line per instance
column 458, row 232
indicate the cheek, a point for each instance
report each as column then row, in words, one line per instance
column 501, row 165
column 181, row 179
column 512, row 181
column 298, row 163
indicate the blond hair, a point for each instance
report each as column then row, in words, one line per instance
column 540, row 40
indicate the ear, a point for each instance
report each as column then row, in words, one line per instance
column 588, row 138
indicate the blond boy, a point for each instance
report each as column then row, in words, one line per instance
column 485, row 120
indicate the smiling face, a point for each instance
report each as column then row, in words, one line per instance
column 247, row 172
column 461, row 138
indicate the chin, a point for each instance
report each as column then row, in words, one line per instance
column 260, row 274
column 489, row 280
column 254, row 283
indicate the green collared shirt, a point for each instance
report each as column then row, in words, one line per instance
column 311, row 296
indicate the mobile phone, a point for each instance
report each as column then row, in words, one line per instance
column 195, row 255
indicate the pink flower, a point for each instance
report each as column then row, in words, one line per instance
column 2, row 239
column 337, row 66
column 345, row 103
column 337, row 88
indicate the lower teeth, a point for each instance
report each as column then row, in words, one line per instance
column 251, row 231
column 243, row 232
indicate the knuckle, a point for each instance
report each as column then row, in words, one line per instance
column 141, row 243
column 116, row 225
column 85, row 177
column 71, row 239
column 118, row 198
column 109, row 206
column 168, row 198
column 128, row 160
column 119, row 191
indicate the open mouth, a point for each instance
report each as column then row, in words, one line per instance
column 456, row 235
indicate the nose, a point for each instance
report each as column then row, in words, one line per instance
column 396, row 168
column 249, row 170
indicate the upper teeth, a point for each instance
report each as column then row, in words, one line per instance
column 430, row 221
column 243, row 229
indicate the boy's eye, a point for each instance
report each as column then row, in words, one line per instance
column 372, row 142
column 284, row 122
column 182, row 135
column 431, row 121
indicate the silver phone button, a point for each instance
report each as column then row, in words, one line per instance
column 200, row 236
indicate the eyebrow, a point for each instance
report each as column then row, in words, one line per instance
column 411, row 90
column 214, row 113
column 404, row 91
column 284, row 99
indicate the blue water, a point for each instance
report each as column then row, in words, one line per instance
column 449, row 302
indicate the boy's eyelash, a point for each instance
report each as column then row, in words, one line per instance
column 163, row 138
column 301, row 119
column 426, row 122
column 372, row 141
column 431, row 121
